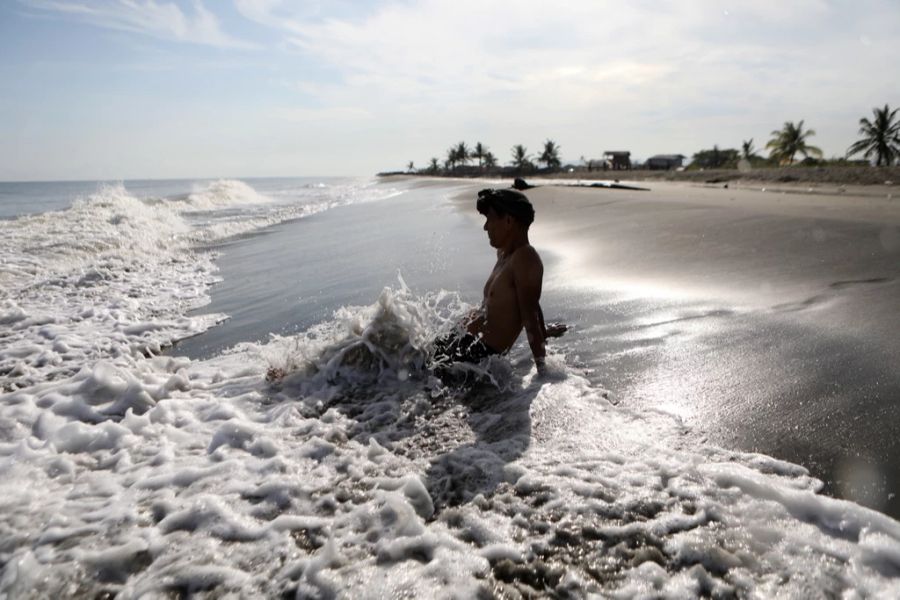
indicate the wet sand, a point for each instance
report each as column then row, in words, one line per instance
column 767, row 321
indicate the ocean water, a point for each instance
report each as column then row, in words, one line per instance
column 144, row 452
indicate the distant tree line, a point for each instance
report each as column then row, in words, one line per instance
column 458, row 157
column 880, row 142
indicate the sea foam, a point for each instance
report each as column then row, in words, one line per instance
column 113, row 276
column 224, row 193
column 344, row 478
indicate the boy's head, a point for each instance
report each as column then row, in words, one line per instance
column 506, row 202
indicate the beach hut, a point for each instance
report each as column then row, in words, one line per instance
column 617, row 160
column 665, row 162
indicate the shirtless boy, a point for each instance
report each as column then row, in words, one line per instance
column 512, row 291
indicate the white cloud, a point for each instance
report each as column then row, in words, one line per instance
column 261, row 11
column 407, row 50
column 677, row 75
column 164, row 20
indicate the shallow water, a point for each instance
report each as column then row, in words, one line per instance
column 296, row 274
column 357, row 473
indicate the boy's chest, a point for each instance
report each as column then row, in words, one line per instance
column 500, row 281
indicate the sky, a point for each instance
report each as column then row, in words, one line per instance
column 130, row 89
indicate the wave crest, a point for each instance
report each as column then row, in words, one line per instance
column 388, row 341
column 107, row 222
column 110, row 277
column 225, row 193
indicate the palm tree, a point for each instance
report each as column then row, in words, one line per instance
column 748, row 152
column 462, row 153
column 490, row 161
column 881, row 138
column 433, row 166
column 550, row 155
column 788, row 141
column 479, row 152
column 451, row 161
column 520, row 157
column 716, row 157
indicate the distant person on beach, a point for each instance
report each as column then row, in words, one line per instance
column 512, row 292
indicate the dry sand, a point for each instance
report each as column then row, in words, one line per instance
column 680, row 236
column 823, row 177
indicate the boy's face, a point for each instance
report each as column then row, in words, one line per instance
column 498, row 227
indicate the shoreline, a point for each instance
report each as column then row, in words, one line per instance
column 851, row 181
column 801, row 175
column 837, row 175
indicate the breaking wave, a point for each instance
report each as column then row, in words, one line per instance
column 113, row 276
column 225, row 193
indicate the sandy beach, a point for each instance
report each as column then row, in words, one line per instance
column 826, row 178
column 766, row 320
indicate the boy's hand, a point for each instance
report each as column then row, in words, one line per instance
column 555, row 330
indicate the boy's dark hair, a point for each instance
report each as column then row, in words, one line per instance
column 506, row 202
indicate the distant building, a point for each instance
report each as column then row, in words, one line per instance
column 617, row 160
column 593, row 164
column 665, row 162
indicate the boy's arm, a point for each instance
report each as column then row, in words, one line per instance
column 541, row 317
column 528, row 273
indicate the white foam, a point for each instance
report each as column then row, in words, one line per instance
column 227, row 208
column 224, row 193
column 113, row 276
column 343, row 479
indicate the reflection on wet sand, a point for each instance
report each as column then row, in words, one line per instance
column 766, row 321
